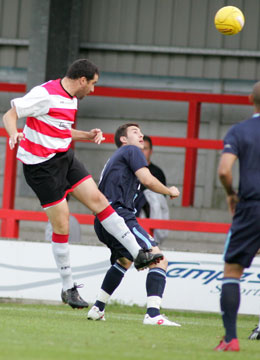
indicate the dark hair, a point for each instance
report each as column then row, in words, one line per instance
column 256, row 94
column 82, row 68
column 122, row 131
column 148, row 139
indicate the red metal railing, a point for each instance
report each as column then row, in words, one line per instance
column 11, row 217
column 191, row 143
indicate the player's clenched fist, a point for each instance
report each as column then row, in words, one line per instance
column 14, row 139
column 174, row 192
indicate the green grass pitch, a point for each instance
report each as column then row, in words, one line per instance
column 58, row 332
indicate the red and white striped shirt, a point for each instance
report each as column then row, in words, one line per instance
column 50, row 113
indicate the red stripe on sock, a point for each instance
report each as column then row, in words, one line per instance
column 104, row 214
column 59, row 238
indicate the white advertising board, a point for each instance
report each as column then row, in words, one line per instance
column 28, row 271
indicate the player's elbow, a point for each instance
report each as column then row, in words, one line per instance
column 11, row 114
column 147, row 182
column 223, row 172
column 5, row 118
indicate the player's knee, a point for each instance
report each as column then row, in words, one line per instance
column 61, row 226
column 126, row 263
column 99, row 201
column 164, row 262
column 233, row 270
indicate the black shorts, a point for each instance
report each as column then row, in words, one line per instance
column 243, row 240
column 53, row 179
column 145, row 240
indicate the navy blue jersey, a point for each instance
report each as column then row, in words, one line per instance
column 243, row 140
column 118, row 181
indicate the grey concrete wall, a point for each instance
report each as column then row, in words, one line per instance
column 165, row 118
column 162, row 118
column 164, row 23
column 170, row 23
column 156, row 118
column 173, row 23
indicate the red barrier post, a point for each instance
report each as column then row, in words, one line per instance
column 10, row 216
column 191, row 154
column 10, row 227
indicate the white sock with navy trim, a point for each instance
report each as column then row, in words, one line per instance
column 116, row 226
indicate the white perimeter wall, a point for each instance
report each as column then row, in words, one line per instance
column 28, row 271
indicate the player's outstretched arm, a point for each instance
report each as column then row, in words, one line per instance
column 94, row 135
column 151, row 182
column 10, row 124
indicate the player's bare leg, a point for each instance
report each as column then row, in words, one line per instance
column 110, row 283
column 59, row 218
column 155, row 284
column 88, row 194
column 229, row 302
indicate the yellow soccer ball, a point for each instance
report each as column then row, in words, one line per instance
column 229, row 20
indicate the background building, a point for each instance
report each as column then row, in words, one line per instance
column 146, row 44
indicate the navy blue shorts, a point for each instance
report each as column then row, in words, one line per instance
column 243, row 240
column 145, row 240
column 53, row 179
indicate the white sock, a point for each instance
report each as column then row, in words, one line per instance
column 154, row 302
column 103, row 296
column 62, row 257
column 116, row 226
